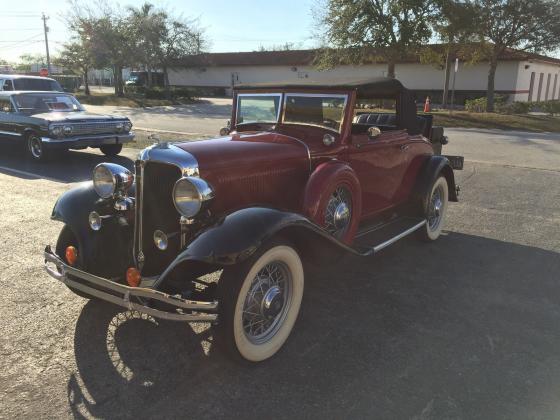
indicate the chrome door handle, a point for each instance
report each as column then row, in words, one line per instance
column 404, row 147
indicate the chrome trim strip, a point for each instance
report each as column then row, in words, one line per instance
column 11, row 133
column 62, row 270
column 398, row 237
column 123, row 138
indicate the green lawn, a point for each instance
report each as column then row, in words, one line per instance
column 537, row 123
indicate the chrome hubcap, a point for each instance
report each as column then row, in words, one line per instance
column 267, row 302
column 35, row 147
column 339, row 212
column 436, row 209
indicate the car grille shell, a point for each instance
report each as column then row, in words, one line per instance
column 101, row 127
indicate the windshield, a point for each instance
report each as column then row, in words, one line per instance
column 36, row 84
column 325, row 111
column 258, row 108
column 45, row 102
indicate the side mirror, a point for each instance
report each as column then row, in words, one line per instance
column 373, row 133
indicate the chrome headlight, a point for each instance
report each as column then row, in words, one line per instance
column 190, row 195
column 56, row 130
column 119, row 127
column 127, row 126
column 109, row 179
column 67, row 130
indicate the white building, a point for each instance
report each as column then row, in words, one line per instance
column 520, row 76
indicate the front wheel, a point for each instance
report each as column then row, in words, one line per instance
column 111, row 149
column 259, row 302
column 436, row 209
column 36, row 149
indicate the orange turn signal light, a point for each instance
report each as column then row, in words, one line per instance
column 133, row 277
column 71, row 255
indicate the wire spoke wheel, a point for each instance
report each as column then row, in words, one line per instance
column 267, row 302
column 435, row 211
column 338, row 212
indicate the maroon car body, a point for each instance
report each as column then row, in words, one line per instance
column 302, row 172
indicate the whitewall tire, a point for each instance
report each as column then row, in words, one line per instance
column 260, row 302
column 436, row 209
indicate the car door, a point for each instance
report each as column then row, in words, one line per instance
column 8, row 129
column 380, row 164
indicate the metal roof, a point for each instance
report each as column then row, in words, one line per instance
column 23, row 76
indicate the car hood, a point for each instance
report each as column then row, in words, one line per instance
column 82, row 116
column 252, row 168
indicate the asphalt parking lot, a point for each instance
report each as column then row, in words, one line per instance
column 465, row 328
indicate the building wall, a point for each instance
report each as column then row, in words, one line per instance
column 512, row 77
column 528, row 70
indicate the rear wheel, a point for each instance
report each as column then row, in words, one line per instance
column 111, row 149
column 66, row 239
column 259, row 302
column 436, row 210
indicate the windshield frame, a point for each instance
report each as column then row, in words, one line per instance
column 272, row 94
column 39, row 111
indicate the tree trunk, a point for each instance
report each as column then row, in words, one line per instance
column 491, row 80
column 149, row 79
column 166, row 83
column 86, row 82
column 391, row 69
column 446, row 80
column 119, row 88
column 115, row 81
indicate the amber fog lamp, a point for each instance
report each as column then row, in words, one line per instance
column 133, row 277
column 71, row 255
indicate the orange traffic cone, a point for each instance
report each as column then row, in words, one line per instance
column 427, row 106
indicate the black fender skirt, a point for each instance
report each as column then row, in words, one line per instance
column 237, row 236
column 432, row 169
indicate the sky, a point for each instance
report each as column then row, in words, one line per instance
column 239, row 25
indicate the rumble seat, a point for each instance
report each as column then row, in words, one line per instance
column 384, row 121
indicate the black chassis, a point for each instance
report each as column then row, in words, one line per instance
column 106, row 254
column 16, row 125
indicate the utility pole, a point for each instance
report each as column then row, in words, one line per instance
column 46, row 29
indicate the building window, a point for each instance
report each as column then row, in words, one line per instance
column 541, row 77
column 531, row 86
column 554, row 86
column 547, row 87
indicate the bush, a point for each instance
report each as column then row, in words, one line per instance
column 476, row 105
column 550, row 107
column 515, row 108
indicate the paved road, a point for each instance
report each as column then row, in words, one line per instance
column 465, row 328
column 206, row 117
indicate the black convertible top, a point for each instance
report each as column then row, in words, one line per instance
column 378, row 86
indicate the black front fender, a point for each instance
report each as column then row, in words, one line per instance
column 239, row 235
column 105, row 252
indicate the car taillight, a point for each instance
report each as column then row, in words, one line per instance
column 133, row 277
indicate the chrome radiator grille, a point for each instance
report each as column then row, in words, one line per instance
column 102, row 127
column 155, row 211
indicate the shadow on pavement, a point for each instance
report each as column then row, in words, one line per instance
column 463, row 328
column 67, row 167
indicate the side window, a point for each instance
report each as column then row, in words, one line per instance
column 8, row 85
column 5, row 105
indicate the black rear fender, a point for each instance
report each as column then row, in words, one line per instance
column 433, row 168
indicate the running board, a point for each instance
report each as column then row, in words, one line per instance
column 386, row 235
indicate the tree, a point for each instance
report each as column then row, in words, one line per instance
column 27, row 60
column 525, row 25
column 76, row 57
column 354, row 30
column 179, row 39
column 108, row 36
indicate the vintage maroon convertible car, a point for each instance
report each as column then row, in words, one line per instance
column 217, row 230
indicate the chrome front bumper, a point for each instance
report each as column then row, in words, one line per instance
column 95, row 140
column 120, row 294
